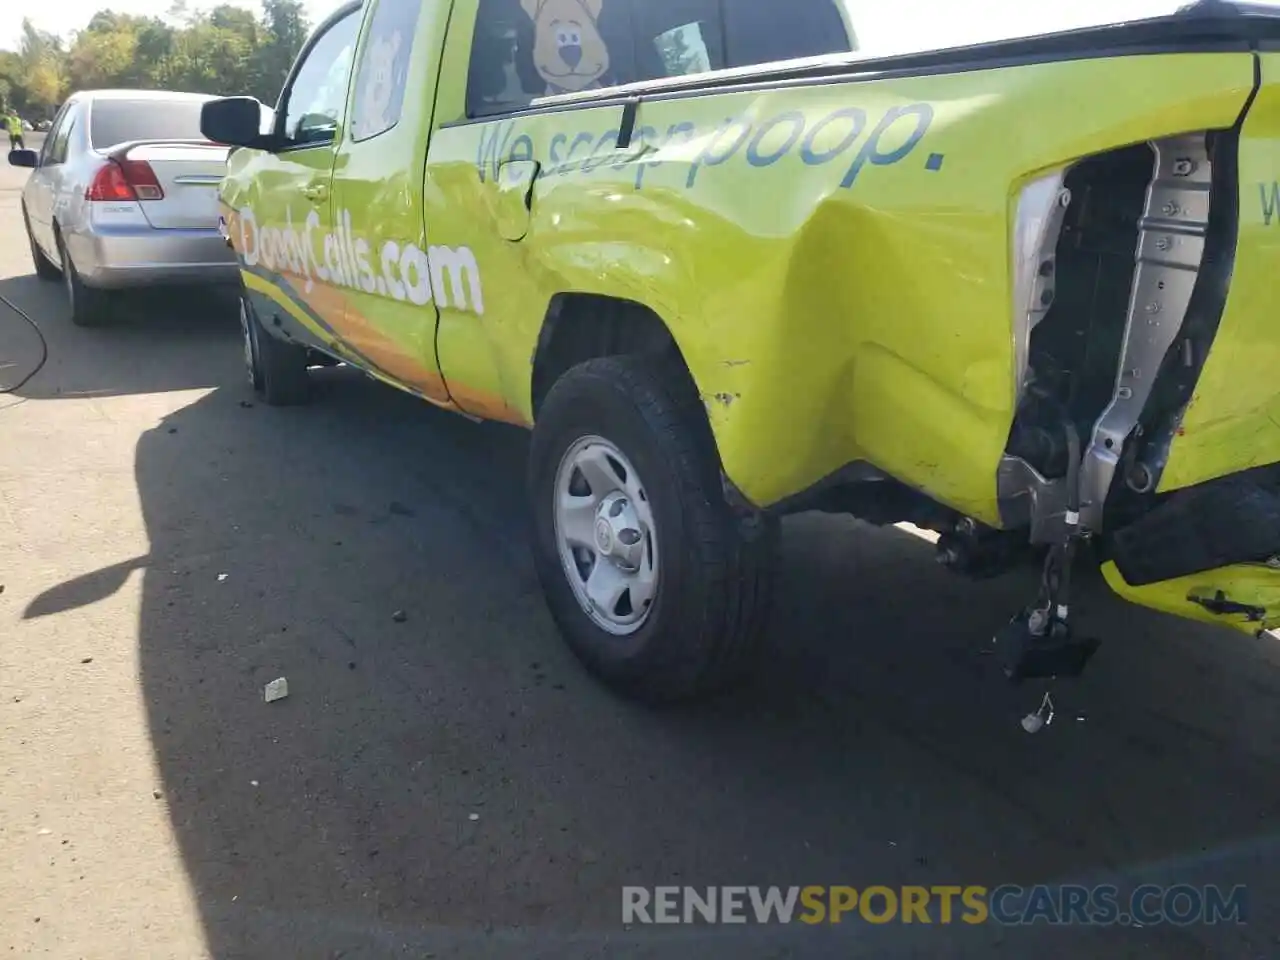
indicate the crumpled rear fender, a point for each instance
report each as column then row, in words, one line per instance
column 1232, row 422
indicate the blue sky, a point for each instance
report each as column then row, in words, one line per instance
column 883, row 26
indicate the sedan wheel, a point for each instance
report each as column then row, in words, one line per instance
column 88, row 306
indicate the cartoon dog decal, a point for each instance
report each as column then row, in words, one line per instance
column 568, row 51
column 379, row 87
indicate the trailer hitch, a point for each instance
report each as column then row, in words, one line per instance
column 1038, row 642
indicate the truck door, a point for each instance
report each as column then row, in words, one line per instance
column 523, row 204
column 288, row 213
column 388, row 323
column 490, row 172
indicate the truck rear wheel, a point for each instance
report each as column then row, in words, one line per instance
column 646, row 570
column 277, row 370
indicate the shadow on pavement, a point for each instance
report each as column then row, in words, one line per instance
column 453, row 785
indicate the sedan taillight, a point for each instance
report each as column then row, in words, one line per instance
column 125, row 180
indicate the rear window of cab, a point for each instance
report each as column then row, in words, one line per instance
column 532, row 48
column 526, row 49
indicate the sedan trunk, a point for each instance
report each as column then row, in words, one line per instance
column 188, row 174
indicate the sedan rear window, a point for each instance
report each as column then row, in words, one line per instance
column 118, row 121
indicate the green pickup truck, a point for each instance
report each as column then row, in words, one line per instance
column 727, row 266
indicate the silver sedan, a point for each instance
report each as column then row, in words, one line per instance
column 124, row 193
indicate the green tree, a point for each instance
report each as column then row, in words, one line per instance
column 237, row 20
column 155, row 47
column 11, row 78
column 37, row 44
column 209, row 59
column 226, row 50
column 42, row 62
column 102, row 57
column 286, row 31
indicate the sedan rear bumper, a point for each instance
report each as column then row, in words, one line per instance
column 113, row 259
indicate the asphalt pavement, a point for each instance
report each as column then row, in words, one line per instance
column 443, row 780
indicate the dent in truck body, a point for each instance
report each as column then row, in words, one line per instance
column 889, row 287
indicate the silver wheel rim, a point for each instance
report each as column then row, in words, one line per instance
column 606, row 535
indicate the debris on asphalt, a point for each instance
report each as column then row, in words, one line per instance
column 276, row 690
column 474, row 817
column 156, row 794
column 399, row 616
column 222, row 577
column 253, row 783
column 245, row 404
column 1041, row 718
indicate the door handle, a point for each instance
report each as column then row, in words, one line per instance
column 534, row 172
column 317, row 192
column 516, row 182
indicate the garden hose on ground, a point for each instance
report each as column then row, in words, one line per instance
column 44, row 346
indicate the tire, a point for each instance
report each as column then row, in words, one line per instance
column 45, row 269
column 88, row 306
column 277, row 369
column 714, row 582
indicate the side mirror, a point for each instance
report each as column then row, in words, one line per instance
column 236, row 121
column 24, row 158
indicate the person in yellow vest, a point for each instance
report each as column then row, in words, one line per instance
column 14, row 126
